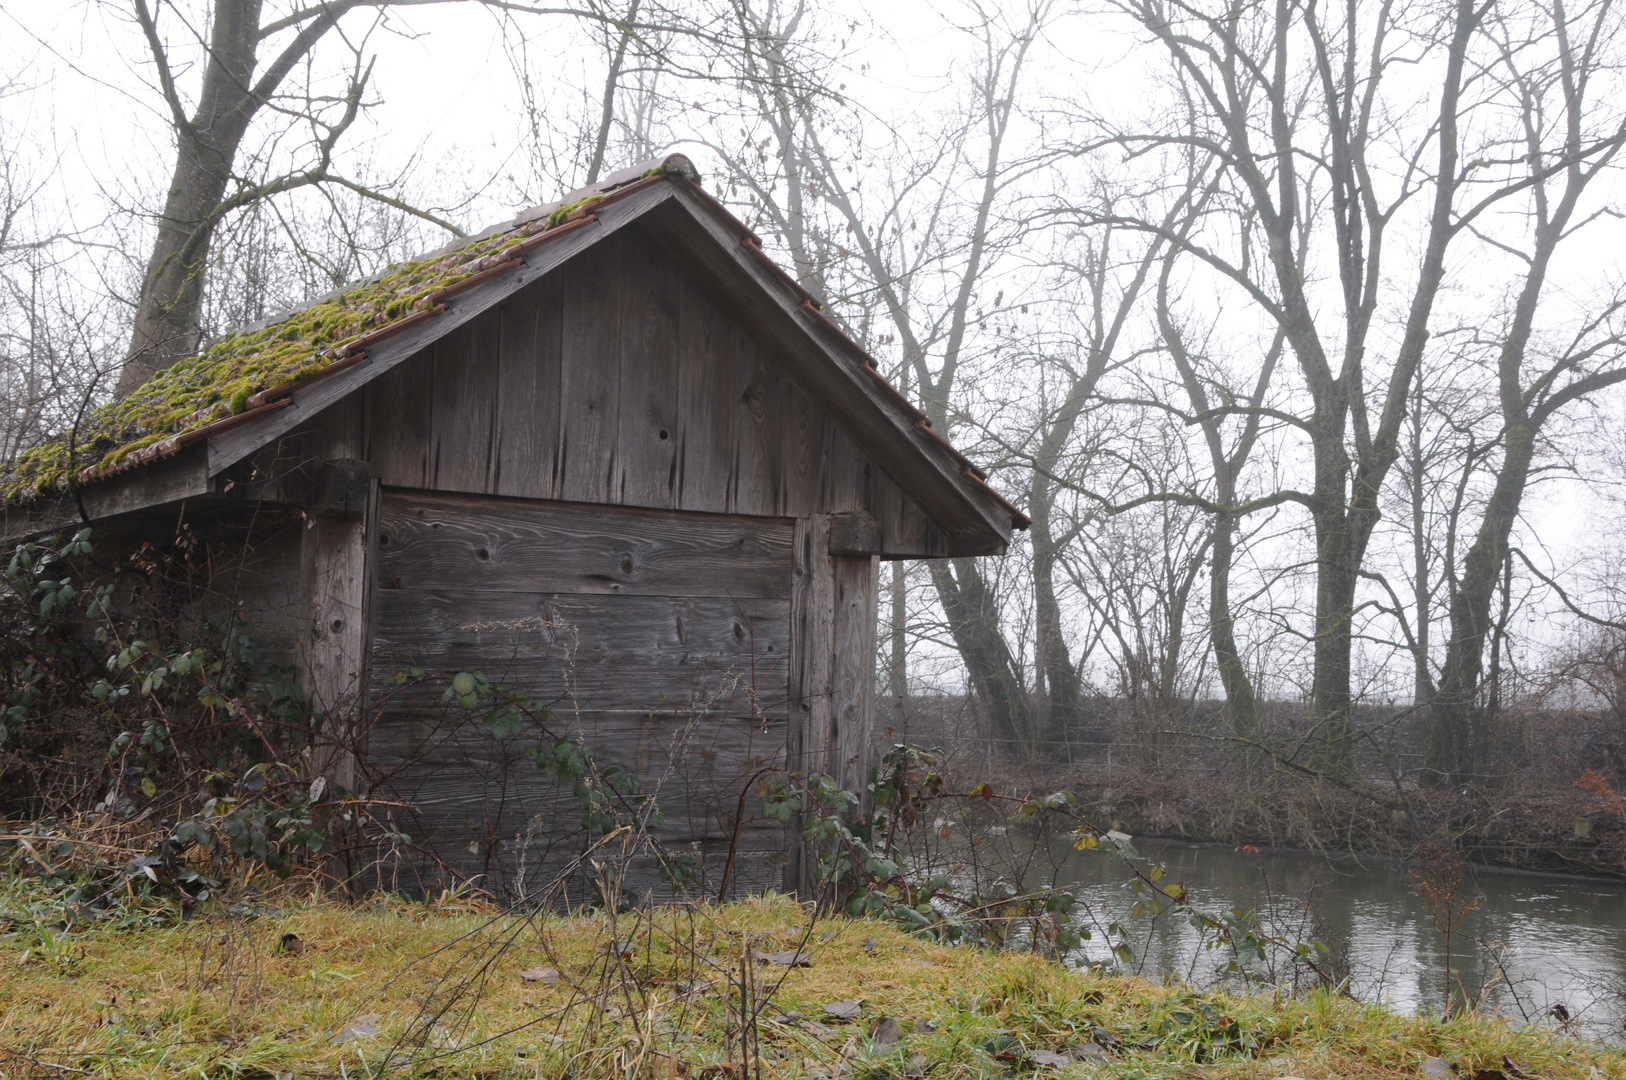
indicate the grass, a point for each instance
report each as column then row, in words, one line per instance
column 230, row 993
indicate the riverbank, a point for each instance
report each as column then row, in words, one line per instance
column 314, row 988
column 1528, row 826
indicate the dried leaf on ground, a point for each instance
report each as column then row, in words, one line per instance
column 788, row 958
column 545, row 975
column 1439, row 1069
column 1050, row 1059
column 885, row 1033
column 843, row 1010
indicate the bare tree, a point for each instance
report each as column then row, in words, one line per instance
column 1552, row 62
column 1302, row 109
column 248, row 55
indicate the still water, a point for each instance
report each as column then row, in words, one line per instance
column 1534, row 941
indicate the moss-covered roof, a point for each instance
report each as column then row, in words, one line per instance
column 247, row 370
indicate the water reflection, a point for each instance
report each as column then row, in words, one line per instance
column 1533, row 942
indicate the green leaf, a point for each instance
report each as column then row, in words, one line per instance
column 504, row 722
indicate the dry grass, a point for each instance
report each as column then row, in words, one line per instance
column 218, row 996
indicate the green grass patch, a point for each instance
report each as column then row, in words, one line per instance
column 321, row 988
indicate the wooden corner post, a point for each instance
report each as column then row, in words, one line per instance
column 335, row 577
column 832, row 668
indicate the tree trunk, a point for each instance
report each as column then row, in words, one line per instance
column 168, row 314
column 1451, row 754
column 1240, row 701
column 973, row 618
column 1058, row 706
column 897, row 682
column 1338, row 558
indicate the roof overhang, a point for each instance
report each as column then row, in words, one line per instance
column 672, row 208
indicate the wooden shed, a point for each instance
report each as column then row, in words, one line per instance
column 606, row 453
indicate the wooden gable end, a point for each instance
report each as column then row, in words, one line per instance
column 617, row 379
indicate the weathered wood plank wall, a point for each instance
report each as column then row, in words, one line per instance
column 660, row 638
column 617, row 380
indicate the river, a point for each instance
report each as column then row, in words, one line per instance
column 1533, row 942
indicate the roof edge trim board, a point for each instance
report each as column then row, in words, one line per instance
column 277, row 393
column 309, row 398
column 175, row 444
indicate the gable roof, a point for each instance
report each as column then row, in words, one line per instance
column 255, row 384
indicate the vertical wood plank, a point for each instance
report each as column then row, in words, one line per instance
column 803, row 429
column 706, row 347
column 852, row 682
column 758, row 443
column 844, row 479
column 649, row 421
column 590, row 374
column 526, row 460
column 464, row 409
column 811, row 736
column 333, row 656
column 364, row 676
column 398, row 422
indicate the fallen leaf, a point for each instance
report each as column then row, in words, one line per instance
column 788, row 958
column 916, row 1065
column 1005, row 1047
column 544, row 975
column 843, row 1010
column 924, row 1026
column 827, row 935
column 1050, row 1059
column 792, row 1017
column 362, row 1027
column 885, row 1033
